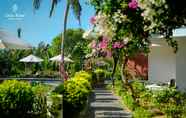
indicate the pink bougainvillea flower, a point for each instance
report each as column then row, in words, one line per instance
column 104, row 43
column 118, row 45
column 93, row 20
column 133, row 4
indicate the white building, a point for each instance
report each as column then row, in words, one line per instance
column 164, row 64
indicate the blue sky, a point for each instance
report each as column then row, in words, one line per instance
column 37, row 27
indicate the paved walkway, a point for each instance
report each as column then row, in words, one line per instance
column 105, row 105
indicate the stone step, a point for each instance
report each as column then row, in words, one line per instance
column 108, row 93
column 105, row 97
column 105, row 101
column 101, row 91
column 112, row 116
column 105, row 106
column 119, row 112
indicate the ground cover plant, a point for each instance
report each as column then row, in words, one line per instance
column 147, row 103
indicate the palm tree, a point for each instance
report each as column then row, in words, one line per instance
column 76, row 7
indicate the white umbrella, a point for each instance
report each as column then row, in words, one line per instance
column 31, row 58
column 58, row 59
column 7, row 40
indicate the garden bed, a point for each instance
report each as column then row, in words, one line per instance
column 145, row 103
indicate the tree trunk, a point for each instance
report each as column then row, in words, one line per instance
column 125, row 78
column 63, row 38
column 114, row 70
column 123, row 66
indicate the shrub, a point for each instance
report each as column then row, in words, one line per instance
column 59, row 89
column 40, row 99
column 129, row 101
column 118, row 88
column 83, row 74
column 174, row 111
column 168, row 95
column 15, row 98
column 141, row 113
column 138, row 87
column 55, row 106
column 100, row 75
column 75, row 93
column 18, row 99
column 137, row 90
column 170, row 101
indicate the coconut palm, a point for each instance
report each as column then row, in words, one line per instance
column 75, row 5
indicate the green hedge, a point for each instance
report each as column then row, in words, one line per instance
column 75, row 93
column 19, row 99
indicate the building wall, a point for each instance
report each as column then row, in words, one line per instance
column 161, row 60
column 138, row 66
column 181, row 65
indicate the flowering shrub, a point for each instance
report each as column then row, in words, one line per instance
column 121, row 30
column 93, row 20
column 85, row 75
column 103, row 43
column 117, row 45
column 121, row 25
column 134, row 20
column 133, row 4
column 75, row 93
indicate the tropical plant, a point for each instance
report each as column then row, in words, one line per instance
column 56, row 107
column 75, row 5
column 75, row 93
column 83, row 74
column 19, row 99
column 75, row 47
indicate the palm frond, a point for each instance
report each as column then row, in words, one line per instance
column 76, row 7
column 53, row 5
column 36, row 4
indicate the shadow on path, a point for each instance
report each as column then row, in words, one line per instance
column 103, row 104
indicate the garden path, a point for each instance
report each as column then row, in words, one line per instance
column 104, row 104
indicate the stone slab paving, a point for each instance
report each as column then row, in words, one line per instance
column 104, row 104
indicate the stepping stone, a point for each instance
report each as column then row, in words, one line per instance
column 105, row 105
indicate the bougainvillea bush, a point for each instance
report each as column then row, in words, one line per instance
column 132, row 18
column 121, row 28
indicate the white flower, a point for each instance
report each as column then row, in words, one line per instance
column 87, row 34
column 126, row 40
